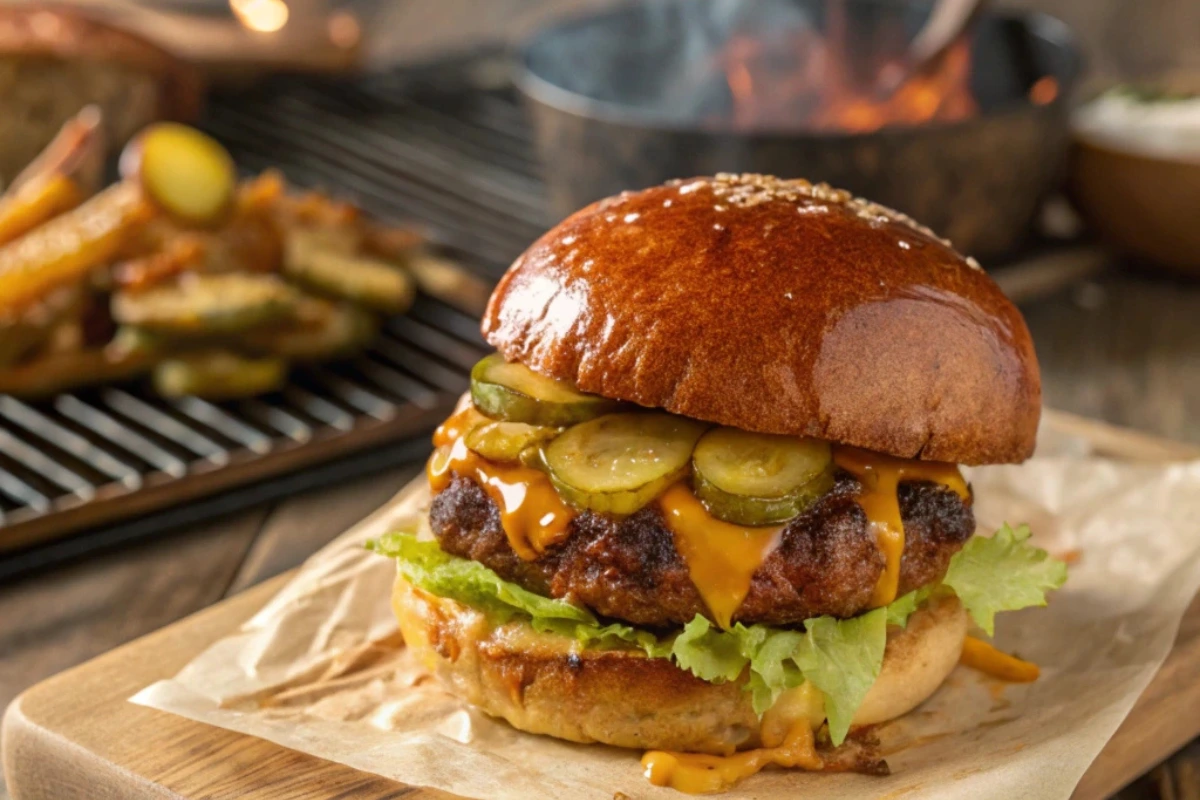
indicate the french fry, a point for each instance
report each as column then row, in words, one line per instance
column 184, row 253
column 23, row 333
column 316, row 209
column 261, row 193
column 35, row 201
column 68, row 247
column 61, row 371
column 76, row 152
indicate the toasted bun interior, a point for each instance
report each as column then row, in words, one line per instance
column 780, row 307
column 539, row 683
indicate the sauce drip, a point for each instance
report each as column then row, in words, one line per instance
column 532, row 514
column 695, row 773
column 456, row 425
column 721, row 557
column 980, row 655
column 880, row 476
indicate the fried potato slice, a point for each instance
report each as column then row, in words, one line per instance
column 67, row 248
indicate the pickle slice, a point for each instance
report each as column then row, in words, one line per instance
column 509, row 441
column 310, row 258
column 201, row 304
column 323, row 330
column 218, row 375
column 515, row 393
column 759, row 478
column 618, row 463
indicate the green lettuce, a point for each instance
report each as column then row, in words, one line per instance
column 1002, row 573
column 840, row 657
column 424, row 564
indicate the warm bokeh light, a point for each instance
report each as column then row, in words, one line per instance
column 344, row 30
column 1043, row 91
column 262, row 16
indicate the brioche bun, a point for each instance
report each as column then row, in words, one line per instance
column 780, row 307
column 540, row 683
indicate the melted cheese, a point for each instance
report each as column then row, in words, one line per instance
column 457, row 424
column 532, row 514
column 721, row 558
column 980, row 655
column 803, row 703
column 695, row 773
column 880, row 476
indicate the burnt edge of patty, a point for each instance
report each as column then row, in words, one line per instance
column 827, row 562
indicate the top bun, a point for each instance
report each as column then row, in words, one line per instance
column 779, row 307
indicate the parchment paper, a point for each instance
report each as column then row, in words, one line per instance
column 321, row 668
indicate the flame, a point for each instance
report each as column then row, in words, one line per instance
column 808, row 79
column 261, row 16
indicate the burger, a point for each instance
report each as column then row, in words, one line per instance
column 704, row 500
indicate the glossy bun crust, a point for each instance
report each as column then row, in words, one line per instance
column 540, row 684
column 781, row 307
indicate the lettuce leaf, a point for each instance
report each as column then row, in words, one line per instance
column 709, row 653
column 1002, row 573
column 424, row 564
column 772, row 669
column 840, row 657
column 903, row 607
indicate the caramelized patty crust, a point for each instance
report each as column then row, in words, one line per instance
column 827, row 561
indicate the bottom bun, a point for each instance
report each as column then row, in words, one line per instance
column 539, row 683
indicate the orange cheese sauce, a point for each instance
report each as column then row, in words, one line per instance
column 721, row 558
column 456, row 425
column 532, row 514
column 695, row 773
column 980, row 655
column 880, row 476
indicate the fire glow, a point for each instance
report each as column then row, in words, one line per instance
column 818, row 86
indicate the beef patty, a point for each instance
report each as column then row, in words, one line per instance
column 826, row 563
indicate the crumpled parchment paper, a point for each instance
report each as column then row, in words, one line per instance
column 321, row 668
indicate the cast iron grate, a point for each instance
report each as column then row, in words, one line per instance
column 431, row 146
column 447, row 145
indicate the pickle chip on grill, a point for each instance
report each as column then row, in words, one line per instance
column 207, row 304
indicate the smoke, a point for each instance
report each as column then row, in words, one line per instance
column 665, row 56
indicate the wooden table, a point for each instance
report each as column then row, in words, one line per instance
column 1123, row 348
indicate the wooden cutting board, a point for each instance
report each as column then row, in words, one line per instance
column 74, row 736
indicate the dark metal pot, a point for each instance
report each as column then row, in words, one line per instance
column 604, row 94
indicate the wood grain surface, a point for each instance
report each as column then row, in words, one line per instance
column 75, row 736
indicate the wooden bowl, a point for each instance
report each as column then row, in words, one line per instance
column 1146, row 205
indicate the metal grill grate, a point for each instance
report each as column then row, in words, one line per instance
column 429, row 146
column 110, row 452
column 436, row 145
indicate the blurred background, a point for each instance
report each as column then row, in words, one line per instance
column 198, row 391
